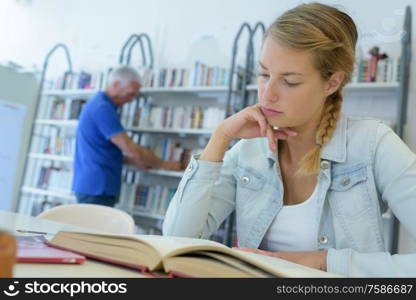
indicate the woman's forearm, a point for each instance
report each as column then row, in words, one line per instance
column 216, row 147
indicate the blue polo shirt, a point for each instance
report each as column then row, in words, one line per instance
column 98, row 162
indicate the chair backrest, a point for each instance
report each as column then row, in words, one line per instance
column 91, row 216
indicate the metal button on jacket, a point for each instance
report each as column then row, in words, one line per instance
column 324, row 164
column 323, row 239
column 345, row 181
column 245, row 180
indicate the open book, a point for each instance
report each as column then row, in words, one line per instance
column 179, row 256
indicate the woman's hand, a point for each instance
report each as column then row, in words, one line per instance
column 312, row 259
column 251, row 123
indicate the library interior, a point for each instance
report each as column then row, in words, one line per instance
column 207, row 139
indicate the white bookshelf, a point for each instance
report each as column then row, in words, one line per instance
column 52, row 193
column 70, row 159
column 70, row 93
column 74, row 123
column 59, row 123
column 171, row 130
column 75, row 93
column 51, row 157
column 181, row 89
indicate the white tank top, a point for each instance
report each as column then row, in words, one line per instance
column 295, row 228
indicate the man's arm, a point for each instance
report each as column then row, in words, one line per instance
column 140, row 156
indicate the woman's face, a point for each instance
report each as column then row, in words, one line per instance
column 291, row 90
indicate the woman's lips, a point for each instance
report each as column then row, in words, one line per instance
column 270, row 112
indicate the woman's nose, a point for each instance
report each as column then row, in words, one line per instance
column 268, row 92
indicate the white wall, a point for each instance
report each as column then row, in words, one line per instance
column 181, row 31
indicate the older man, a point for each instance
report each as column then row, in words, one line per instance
column 101, row 142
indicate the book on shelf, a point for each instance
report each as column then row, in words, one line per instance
column 166, row 148
column 179, row 256
column 55, row 178
column 51, row 140
column 78, row 80
column 376, row 69
column 76, row 108
column 153, row 199
column 172, row 117
column 200, row 75
column 58, row 109
column 34, row 249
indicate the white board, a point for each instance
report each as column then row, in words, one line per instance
column 12, row 118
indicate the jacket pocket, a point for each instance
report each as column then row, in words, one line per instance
column 249, row 190
column 251, row 198
column 349, row 192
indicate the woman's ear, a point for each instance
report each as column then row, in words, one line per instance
column 334, row 82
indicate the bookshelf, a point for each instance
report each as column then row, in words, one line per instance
column 74, row 93
column 43, row 192
column 50, row 157
column 54, row 125
column 159, row 97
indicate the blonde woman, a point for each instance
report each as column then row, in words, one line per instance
column 312, row 190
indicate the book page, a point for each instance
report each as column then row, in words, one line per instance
column 163, row 245
column 280, row 267
column 171, row 245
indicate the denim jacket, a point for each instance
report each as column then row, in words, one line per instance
column 365, row 168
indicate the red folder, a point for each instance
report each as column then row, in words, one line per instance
column 33, row 249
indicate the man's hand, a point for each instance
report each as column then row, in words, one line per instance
column 171, row 165
column 312, row 259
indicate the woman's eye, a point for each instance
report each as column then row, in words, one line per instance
column 291, row 83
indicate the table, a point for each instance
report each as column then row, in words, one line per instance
column 10, row 222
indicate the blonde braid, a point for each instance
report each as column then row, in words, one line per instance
column 310, row 163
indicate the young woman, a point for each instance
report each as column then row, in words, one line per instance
column 308, row 184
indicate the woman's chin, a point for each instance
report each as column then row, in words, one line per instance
column 281, row 123
column 277, row 125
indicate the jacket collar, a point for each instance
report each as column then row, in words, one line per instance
column 335, row 150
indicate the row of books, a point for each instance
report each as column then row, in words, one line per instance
column 153, row 199
column 142, row 114
column 60, row 110
column 377, row 70
column 200, row 75
column 52, row 141
column 81, row 80
column 166, row 148
column 54, row 178
column 59, row 145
